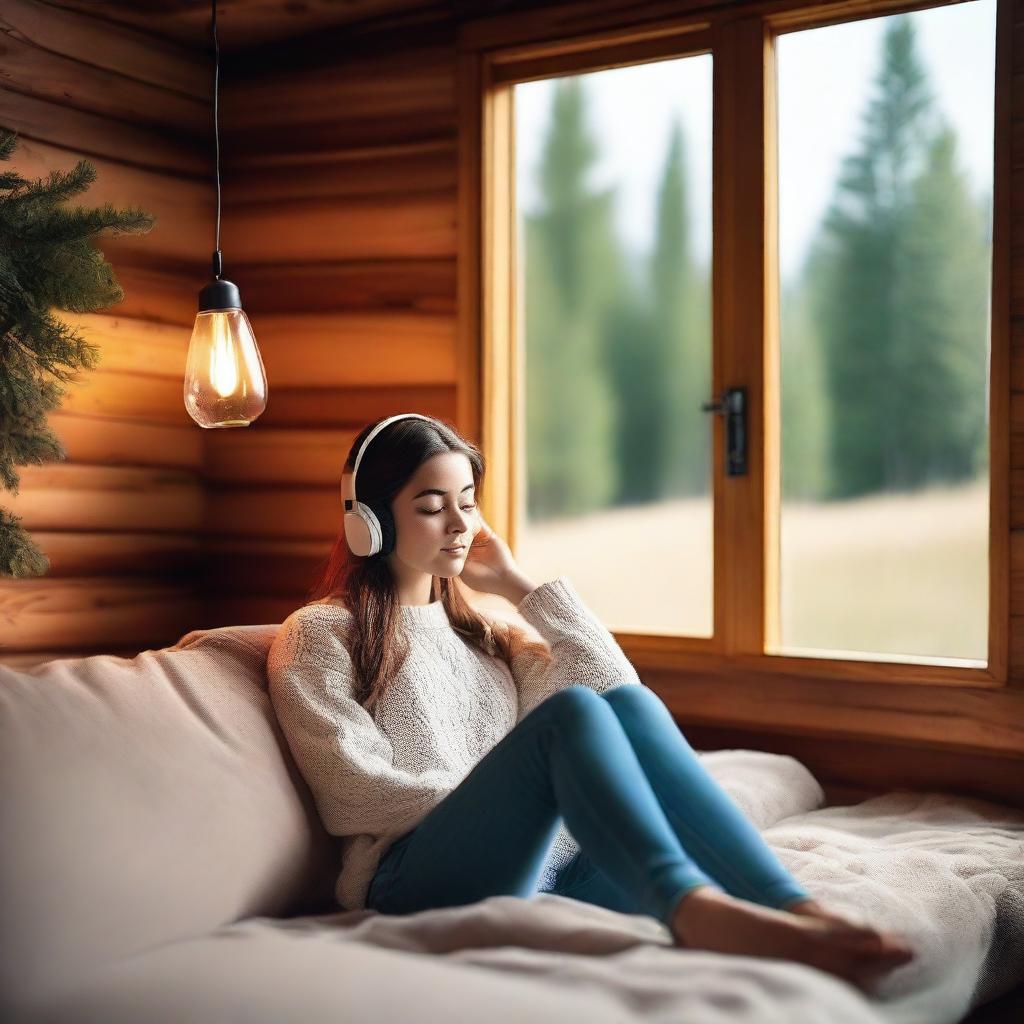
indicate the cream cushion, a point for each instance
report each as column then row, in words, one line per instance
column 146, row 800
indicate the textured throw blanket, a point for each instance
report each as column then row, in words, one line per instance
column 947, row 872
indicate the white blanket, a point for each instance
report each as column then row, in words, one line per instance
column 946, row 872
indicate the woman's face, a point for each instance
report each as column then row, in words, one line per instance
column 435, row 510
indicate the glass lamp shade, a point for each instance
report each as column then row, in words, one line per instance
column 225, row 383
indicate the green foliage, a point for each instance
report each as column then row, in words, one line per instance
column 572, row 265
column 804, row 408
column 47, row 260
column 617, row 362
column 884, row 332
column 897, row 286
column 682, row 319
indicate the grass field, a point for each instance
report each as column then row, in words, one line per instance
column 899, row 575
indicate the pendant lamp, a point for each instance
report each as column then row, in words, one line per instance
column 225, row 383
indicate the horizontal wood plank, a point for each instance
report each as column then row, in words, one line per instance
column 281, row 513
column 398, row 285
column 74, row 613
column 154, row 555
column 259, row 24
column 346, row 132
column 357, row 349
column 263, row 567
column 61, row 496
column 93, row 135
column 160, row 292
column 403, row 83
column 115, row 442
column 131, row 345
column 417, row 225
column 427, row 167
column 277, row 456
column 355, row 406
column 46, row 74
column 125, row 52
column 146, row 398
column 940, row 717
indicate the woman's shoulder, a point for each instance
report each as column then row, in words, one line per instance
column 327, row 602
column 322, row 616
column 314, row 624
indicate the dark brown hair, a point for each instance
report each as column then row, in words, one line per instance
column 366, row 586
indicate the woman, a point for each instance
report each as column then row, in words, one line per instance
column 459, row 759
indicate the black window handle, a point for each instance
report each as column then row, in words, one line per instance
column 733, row 405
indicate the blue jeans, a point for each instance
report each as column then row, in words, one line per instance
column 651, row 823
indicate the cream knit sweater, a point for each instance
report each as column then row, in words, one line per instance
column 374, row 778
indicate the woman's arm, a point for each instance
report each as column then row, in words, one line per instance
column 347, row 762
column 583, row 650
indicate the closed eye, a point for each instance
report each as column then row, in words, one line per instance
column 434, row 512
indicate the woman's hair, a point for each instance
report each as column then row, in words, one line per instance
column 366, row 586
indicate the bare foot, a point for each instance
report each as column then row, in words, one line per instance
column 867, row 935
column 708, row 918
column 812, row 908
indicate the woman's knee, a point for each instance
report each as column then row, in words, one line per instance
column 580, row 701
column 630, row 693
column 628, row 698
column 574, row 701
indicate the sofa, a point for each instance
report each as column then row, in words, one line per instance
column 163, row 861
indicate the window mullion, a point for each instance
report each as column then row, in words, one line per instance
column 740, row 310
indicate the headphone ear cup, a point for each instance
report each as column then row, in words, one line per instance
column 387, row 530
column 359, row 532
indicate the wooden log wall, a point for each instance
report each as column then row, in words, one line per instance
column 340, row 227
column 121, row 519
column 341, row 235
column 344, row 237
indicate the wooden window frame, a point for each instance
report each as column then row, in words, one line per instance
column 728, row 678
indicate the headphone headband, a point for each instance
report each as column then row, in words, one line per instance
column 366, row 442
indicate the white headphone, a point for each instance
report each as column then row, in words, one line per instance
column 363, row 530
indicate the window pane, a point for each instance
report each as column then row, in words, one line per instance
column 885, row 254
column 613, row 183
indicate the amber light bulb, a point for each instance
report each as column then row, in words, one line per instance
column 225, row 382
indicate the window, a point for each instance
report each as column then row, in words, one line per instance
column 885, row 266
column 799, row 202
column 613, row 186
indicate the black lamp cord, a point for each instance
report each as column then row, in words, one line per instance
column 217, row 265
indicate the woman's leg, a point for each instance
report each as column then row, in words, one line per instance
column 716, row 833
column 569, row 757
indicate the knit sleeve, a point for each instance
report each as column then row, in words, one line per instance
column 347, row 762
column 582, row 649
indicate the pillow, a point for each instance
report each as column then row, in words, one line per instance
column 146, row 799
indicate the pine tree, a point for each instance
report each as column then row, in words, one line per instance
column 897, row 290
column 572, row 269
column 47, row 260
column 682, row 315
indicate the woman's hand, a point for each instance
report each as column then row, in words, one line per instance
column 491, row 568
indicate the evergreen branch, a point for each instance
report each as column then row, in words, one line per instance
column 19, row 554
column 11, row 179
column 57, row 187
column 48, row 260
column 73, row 275
column 55, row 346
column 58, row 225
